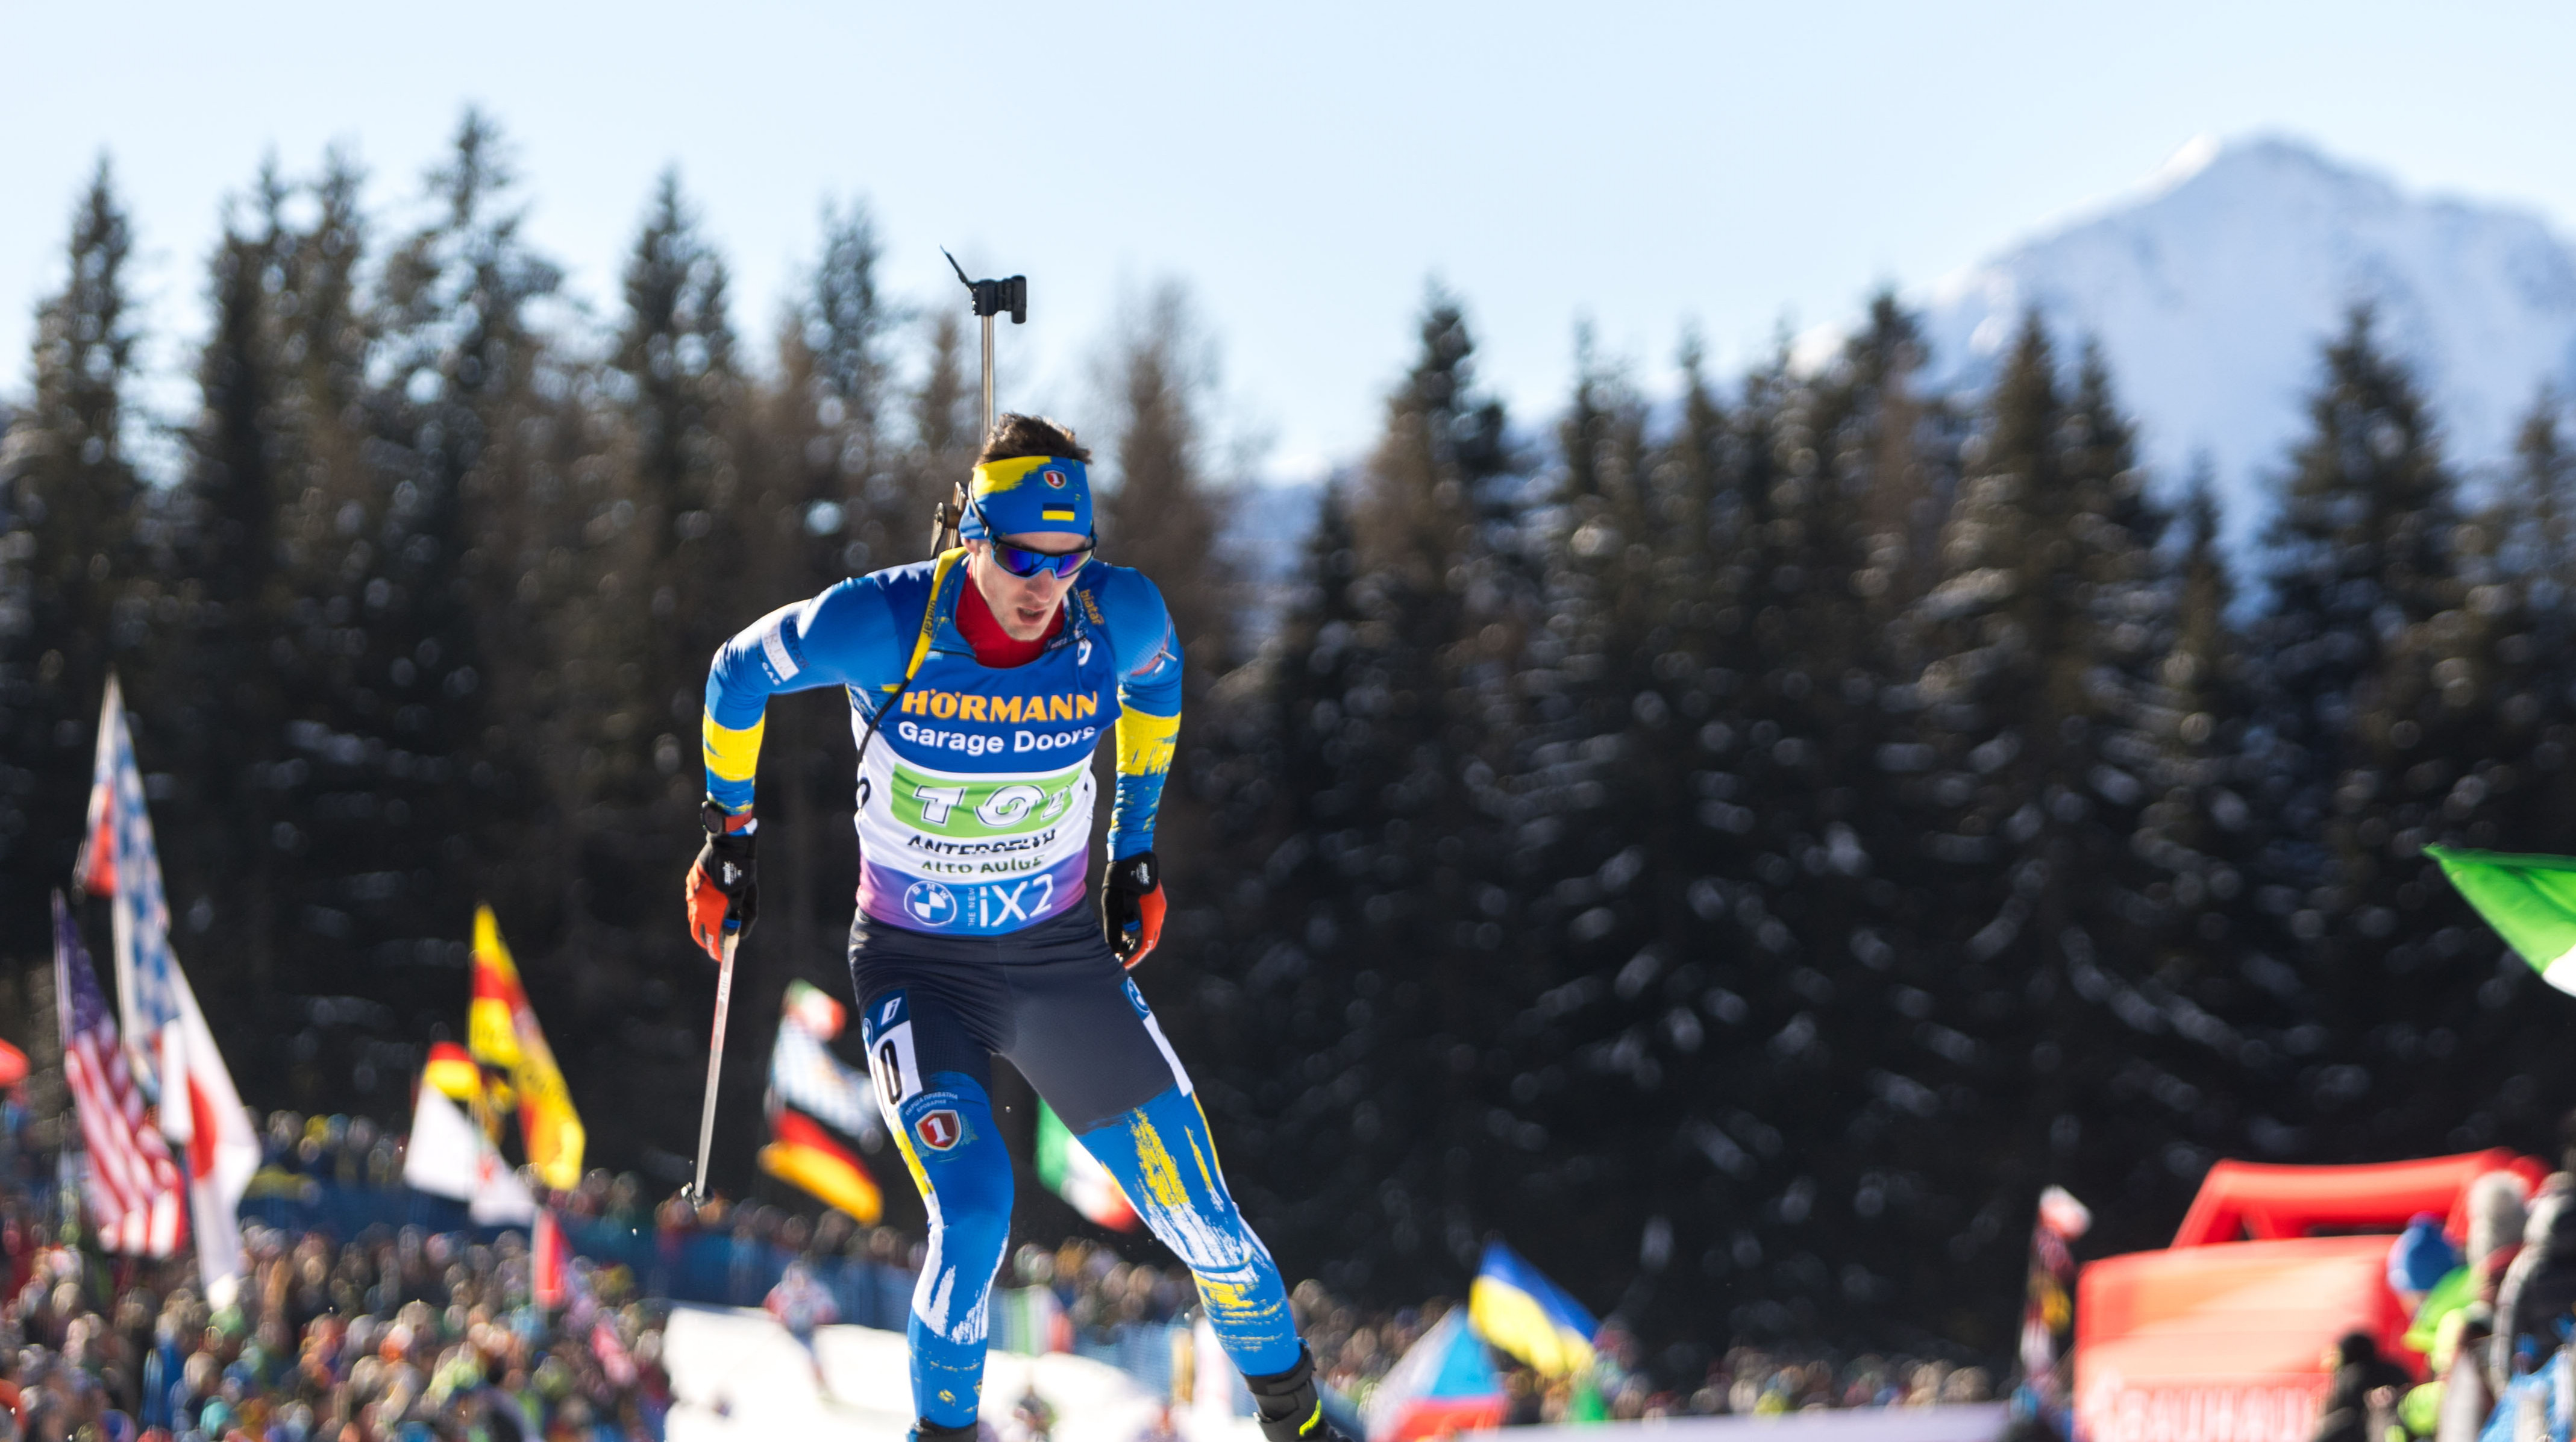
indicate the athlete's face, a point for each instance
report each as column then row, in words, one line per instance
column 1023, row 604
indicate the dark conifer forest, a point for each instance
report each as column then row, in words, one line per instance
column 1737, row 844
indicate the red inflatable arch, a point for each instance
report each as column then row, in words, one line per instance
column 2251, row 1202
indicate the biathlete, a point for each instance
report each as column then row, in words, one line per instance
column 980, row 684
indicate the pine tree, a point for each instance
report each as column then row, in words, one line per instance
column 271, row 455
column 2200, row 835
column 2370, row 722
column 404, row 796
column 1159, row 512
column 216, row 684
column 2468, row 1010
column 821, row 449
column 2527, row 564
column 1602, row 752
column 1272, row 1028
column 944, row 416
column 671, row 539
column 251, row 660
column 1765, row 1004
column 836, row 379
column 1812, row 883
column 2042, row 637
column 73, row 555
column 675, row 357
column 1365, row 859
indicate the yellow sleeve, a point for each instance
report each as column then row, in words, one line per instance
column 1145, row 742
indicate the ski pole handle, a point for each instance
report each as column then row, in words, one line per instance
column 715, row 1063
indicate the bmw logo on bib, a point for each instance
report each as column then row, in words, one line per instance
column 930, row 903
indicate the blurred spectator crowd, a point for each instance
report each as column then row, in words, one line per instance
column 1098, row 1295
column 1744, row 1380
column 391, row 1337
column 421, row 1326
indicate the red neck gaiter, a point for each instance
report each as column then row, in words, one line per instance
column 994, row 647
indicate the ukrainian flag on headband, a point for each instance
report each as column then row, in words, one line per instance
column 1520, row 1311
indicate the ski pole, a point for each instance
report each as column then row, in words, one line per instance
column 715, row 1064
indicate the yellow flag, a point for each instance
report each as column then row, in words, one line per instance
column 502, row 1030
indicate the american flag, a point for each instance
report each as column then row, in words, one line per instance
column 121, row 862
column 136, row 1192
column 167, row 1045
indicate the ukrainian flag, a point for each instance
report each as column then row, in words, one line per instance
column 1520, row 1311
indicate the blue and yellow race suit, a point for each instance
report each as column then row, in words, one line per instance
column 971, row 937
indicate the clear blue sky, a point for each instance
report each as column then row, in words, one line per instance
column 1304, row 169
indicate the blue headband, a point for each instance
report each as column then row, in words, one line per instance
column 1027, row 494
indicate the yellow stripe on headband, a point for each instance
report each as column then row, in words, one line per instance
column 994, row 477
column 1055, row 515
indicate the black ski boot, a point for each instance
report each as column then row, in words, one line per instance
column 1290, row 1408
column 925, row 1430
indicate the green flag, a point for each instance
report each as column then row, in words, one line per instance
column 2529, row 900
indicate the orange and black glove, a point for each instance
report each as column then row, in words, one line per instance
column 723, row 890
column 1131, row 906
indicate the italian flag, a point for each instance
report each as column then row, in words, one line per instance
column 1077, row 1176
column 2529, row 900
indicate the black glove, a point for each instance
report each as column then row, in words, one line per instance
column 723, row 890
column 1131, row 906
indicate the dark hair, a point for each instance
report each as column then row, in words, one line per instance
column 1015, row 435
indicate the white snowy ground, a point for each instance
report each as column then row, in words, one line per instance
column 736, row 1374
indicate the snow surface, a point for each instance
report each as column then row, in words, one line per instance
column 2213, row 284
column 1965, row 1422
column 736, row 1374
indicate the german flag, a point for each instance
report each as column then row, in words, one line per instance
column 453, row 1071
column 811, row 1157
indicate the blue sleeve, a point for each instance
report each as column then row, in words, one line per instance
column 1148, row 652
column 851, row 635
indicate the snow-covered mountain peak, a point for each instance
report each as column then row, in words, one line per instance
column 2212, row 284
column 2193, row 158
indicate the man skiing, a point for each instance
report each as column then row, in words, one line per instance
column 980, row 684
